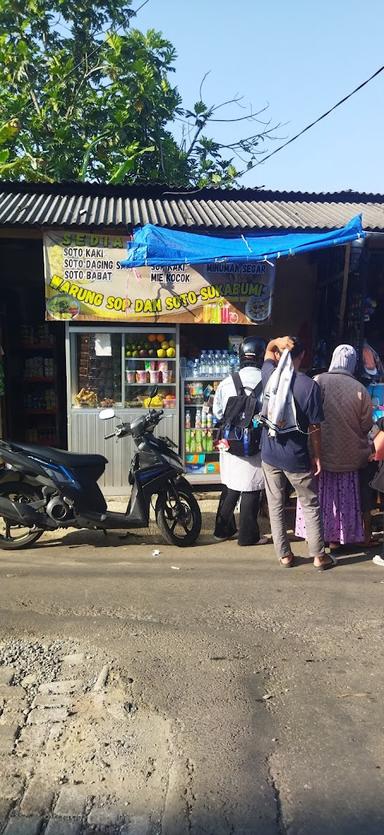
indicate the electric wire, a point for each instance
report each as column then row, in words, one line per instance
column 319, row 119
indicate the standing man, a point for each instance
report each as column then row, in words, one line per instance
column 285, row 454
column 241, row 476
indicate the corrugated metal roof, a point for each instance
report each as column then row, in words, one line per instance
column 87, row 205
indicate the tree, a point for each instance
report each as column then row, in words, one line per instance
column 82, row 100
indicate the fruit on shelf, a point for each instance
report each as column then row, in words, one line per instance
column 152, row 345
column 87, row 398
column 156, row 402
column 169, row 401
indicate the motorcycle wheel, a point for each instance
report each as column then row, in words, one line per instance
column 179, row 519
column 13, row 537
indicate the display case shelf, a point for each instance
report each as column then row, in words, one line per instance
column 206, row 378
column 43, row 346
column 150, row 359
column 199, row 462
column 107, row 380
column 40, row 411
column 39, row 380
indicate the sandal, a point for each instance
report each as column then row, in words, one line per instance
column 335, row 549
column 326, row 565
column 289, row 564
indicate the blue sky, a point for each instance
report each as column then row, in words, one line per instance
column 300, row 57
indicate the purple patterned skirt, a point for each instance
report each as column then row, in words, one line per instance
column 339, row 495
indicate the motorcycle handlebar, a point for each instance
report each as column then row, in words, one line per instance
column 154, row 416
column 120, row 431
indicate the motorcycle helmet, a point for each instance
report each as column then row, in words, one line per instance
column 251, row 351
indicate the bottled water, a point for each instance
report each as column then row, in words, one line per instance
column 210, row 363
column 196, row 368
column 204, row 363
column 217, row 364
column 224, row 363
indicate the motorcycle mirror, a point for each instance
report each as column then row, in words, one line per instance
column 153, row 393
column 106, row 414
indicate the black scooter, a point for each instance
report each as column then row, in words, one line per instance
column 42, row 488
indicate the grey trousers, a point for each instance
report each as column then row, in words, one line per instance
column 303, row 483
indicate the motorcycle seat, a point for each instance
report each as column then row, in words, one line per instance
column 60, row 456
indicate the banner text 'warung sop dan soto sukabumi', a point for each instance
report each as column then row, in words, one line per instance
column 84, row 281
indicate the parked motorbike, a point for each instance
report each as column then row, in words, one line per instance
column 42, row 488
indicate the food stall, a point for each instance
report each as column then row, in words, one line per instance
column 130, row 327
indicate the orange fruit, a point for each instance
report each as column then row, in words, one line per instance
column 151, row 337
column 160, row 337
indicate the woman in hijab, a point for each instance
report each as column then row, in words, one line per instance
column 345, row 452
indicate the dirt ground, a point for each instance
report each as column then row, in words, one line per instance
column 205, row 691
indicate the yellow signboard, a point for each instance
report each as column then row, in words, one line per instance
column 84, row 281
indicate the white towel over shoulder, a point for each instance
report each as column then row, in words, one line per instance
column 279, row 409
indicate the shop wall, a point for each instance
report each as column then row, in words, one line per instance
column 294, row 299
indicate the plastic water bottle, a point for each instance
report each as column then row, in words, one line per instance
column 210, row 363
column 225, row 363
column 203, row 363
column 198, row 419
column 196, row 369
column 217, row 364
column 188, row 420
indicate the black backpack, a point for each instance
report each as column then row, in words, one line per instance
column 239, row 426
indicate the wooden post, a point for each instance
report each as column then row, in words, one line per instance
column 344, row 292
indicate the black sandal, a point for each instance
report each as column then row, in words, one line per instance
column 326, row 565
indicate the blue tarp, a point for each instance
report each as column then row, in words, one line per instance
column 155, row 246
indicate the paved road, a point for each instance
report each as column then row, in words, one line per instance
column 259, row 689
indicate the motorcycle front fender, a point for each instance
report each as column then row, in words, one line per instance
column 183, row 484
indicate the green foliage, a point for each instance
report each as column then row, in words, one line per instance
column 80, row 100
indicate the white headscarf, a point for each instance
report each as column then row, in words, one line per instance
column 344, row 356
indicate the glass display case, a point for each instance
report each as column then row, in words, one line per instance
column 202, row 376
column 198, row 429
column 118, row 367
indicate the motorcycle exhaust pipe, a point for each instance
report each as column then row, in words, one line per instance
column 21, row 513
